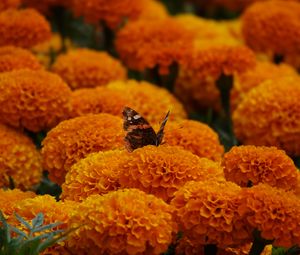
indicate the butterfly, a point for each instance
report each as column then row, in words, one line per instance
column 139, row 131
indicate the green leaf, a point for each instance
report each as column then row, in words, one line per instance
column 19, row 232
column 38, row 220
column 46, row 227
column 23, row 222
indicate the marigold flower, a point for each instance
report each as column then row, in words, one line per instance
column 196, row 82
column 35, row 100
column 23, row 28
column 98, row 173
column 274, row 212
column 196, row 137
column 71, row 140
column 206, row 212
column 244, row 82
column 10, row 198
column 150, row 101
column 162, row 170
column 145, row 44
column 7, row 4
column 244, row 164
column 270, row 115
column 123, row 222
column 153, row 10
column 46, row 5
column 88, row 68
column 274, row 31
column 113, row 13
column 19, row 159
column 14, row 58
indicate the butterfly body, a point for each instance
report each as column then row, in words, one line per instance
column 139, row 131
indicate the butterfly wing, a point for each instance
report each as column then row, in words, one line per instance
column 160, row 133
column 139, row 131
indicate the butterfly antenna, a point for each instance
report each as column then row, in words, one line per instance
column 160, row 133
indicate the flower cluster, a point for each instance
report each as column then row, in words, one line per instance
column 269, row 116
column 46, row 5
column 148, row 44
column 35, row 100
column 196, row 137
column 71, row 140
column 207, row 213
column 246, row 165
column 19, row 159
column 82, row 68
column 24, row 28
column 14, row 58
column 7, row 4
column 153, row 10
column 126, row 221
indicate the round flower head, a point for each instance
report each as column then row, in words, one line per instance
column 153, row 10
column 14, row 58
column 249, row 164
column 273, row 27
column 273, row 212
column 126, row 221
column 46, row 5
column 19, row 159
column 35, row 100
column 98, row 173
column 10, row 198
column 113, row 13
column 244, row 82
column 82, row 68
column 71, row 140
column 150, row 101
column 196, row 137
column 7, row 4
column 146, row 44
column 164, row 169
column 207, row 213
column 270, row 115
column 196, row 82
column 23, row 28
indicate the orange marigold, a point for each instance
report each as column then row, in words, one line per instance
column 14, row 58
column 45, row 6
column 98, row 173
column 273, row 27
column 146, row 44
column 24, row 28
column 126, row 221
column 71, row 140
column 35, row 100
column 7, row 4
column 244, row 82
column 162, row 170
column 270, row 115
column 82, row 68
column 207, row 213
column 196, row 82
column 252, row 164
column 113, row 13
column 150, row 101
column 196, row 137
column 274, row 212
column 153, row 10
column 19, row 159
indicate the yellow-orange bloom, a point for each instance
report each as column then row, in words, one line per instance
column 82, row 68
column 7, row 4
column 145, row 44
column 10, row 198
column 14, row 58
column 150, row 101
column 207, row 213
column 126, row 221
column 196, row 137
column 273, row 27
column 244, row 82
column 274, row 212
column 98, row 173
column 162, row 170
column 270, row 115
column 19, row 159
column 35, row 100
column 196, row 82
column 113, row 13
column 71, row 140
column 153, row 10
column 251, row 164
column 23, row 28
